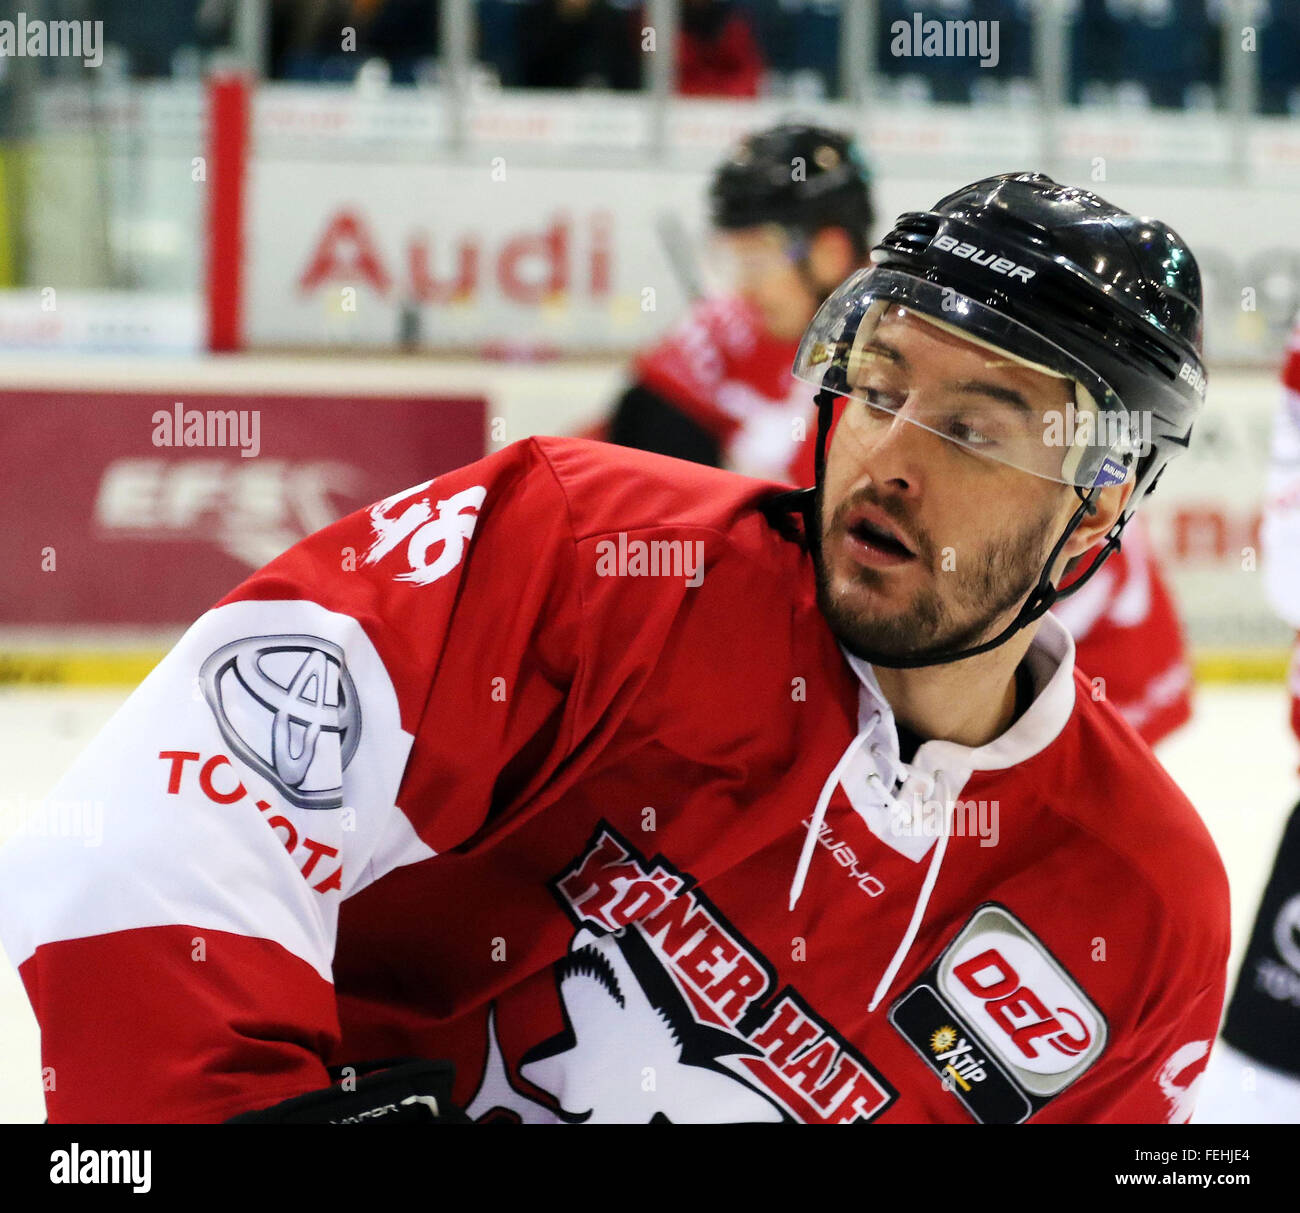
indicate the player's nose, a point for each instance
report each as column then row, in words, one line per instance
column 892, row 450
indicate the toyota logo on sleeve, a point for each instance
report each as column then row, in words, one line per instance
column 288, row 708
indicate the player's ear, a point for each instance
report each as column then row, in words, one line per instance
column 830, row 256
column 1110, row 503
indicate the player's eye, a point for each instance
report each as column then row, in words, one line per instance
column 969, row 434
column 880, row 400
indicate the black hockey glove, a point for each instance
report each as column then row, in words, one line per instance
column 402, row 1091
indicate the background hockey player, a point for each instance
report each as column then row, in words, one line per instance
column 791, row 214
column 642, row 791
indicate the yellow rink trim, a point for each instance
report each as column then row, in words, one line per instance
column 74, row 667
column 1249, row 665
column 8, row 225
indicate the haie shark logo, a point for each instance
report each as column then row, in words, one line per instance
column 630, row 1051
column 668, row 1015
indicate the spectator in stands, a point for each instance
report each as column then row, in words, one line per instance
column 401, row 31
column 577, row 44
column 304, row 36
column 717, row 53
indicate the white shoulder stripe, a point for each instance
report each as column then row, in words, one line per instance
column 248, row 785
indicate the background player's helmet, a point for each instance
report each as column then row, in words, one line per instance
column 1061, row 280
column 803, row 178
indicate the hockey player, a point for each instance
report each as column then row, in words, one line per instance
column 642, row 791
column 1255, row 1076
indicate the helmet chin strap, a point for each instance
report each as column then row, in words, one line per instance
column 1040, row 600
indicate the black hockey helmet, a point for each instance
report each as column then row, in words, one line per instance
column 1064, row 281
column 801, row 177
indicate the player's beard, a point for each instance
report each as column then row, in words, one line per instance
column 990, row 583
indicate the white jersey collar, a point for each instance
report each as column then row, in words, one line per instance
column 1051, row 665
column 907, row 787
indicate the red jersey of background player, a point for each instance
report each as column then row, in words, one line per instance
column 716, row 389
column 730, row 381
column 516, row 767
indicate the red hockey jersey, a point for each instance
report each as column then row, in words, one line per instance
column 722, row 369
column 552, row 767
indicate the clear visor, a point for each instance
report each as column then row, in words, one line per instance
column 1073, row 429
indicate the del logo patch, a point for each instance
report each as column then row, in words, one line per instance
column 1002, row 1024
